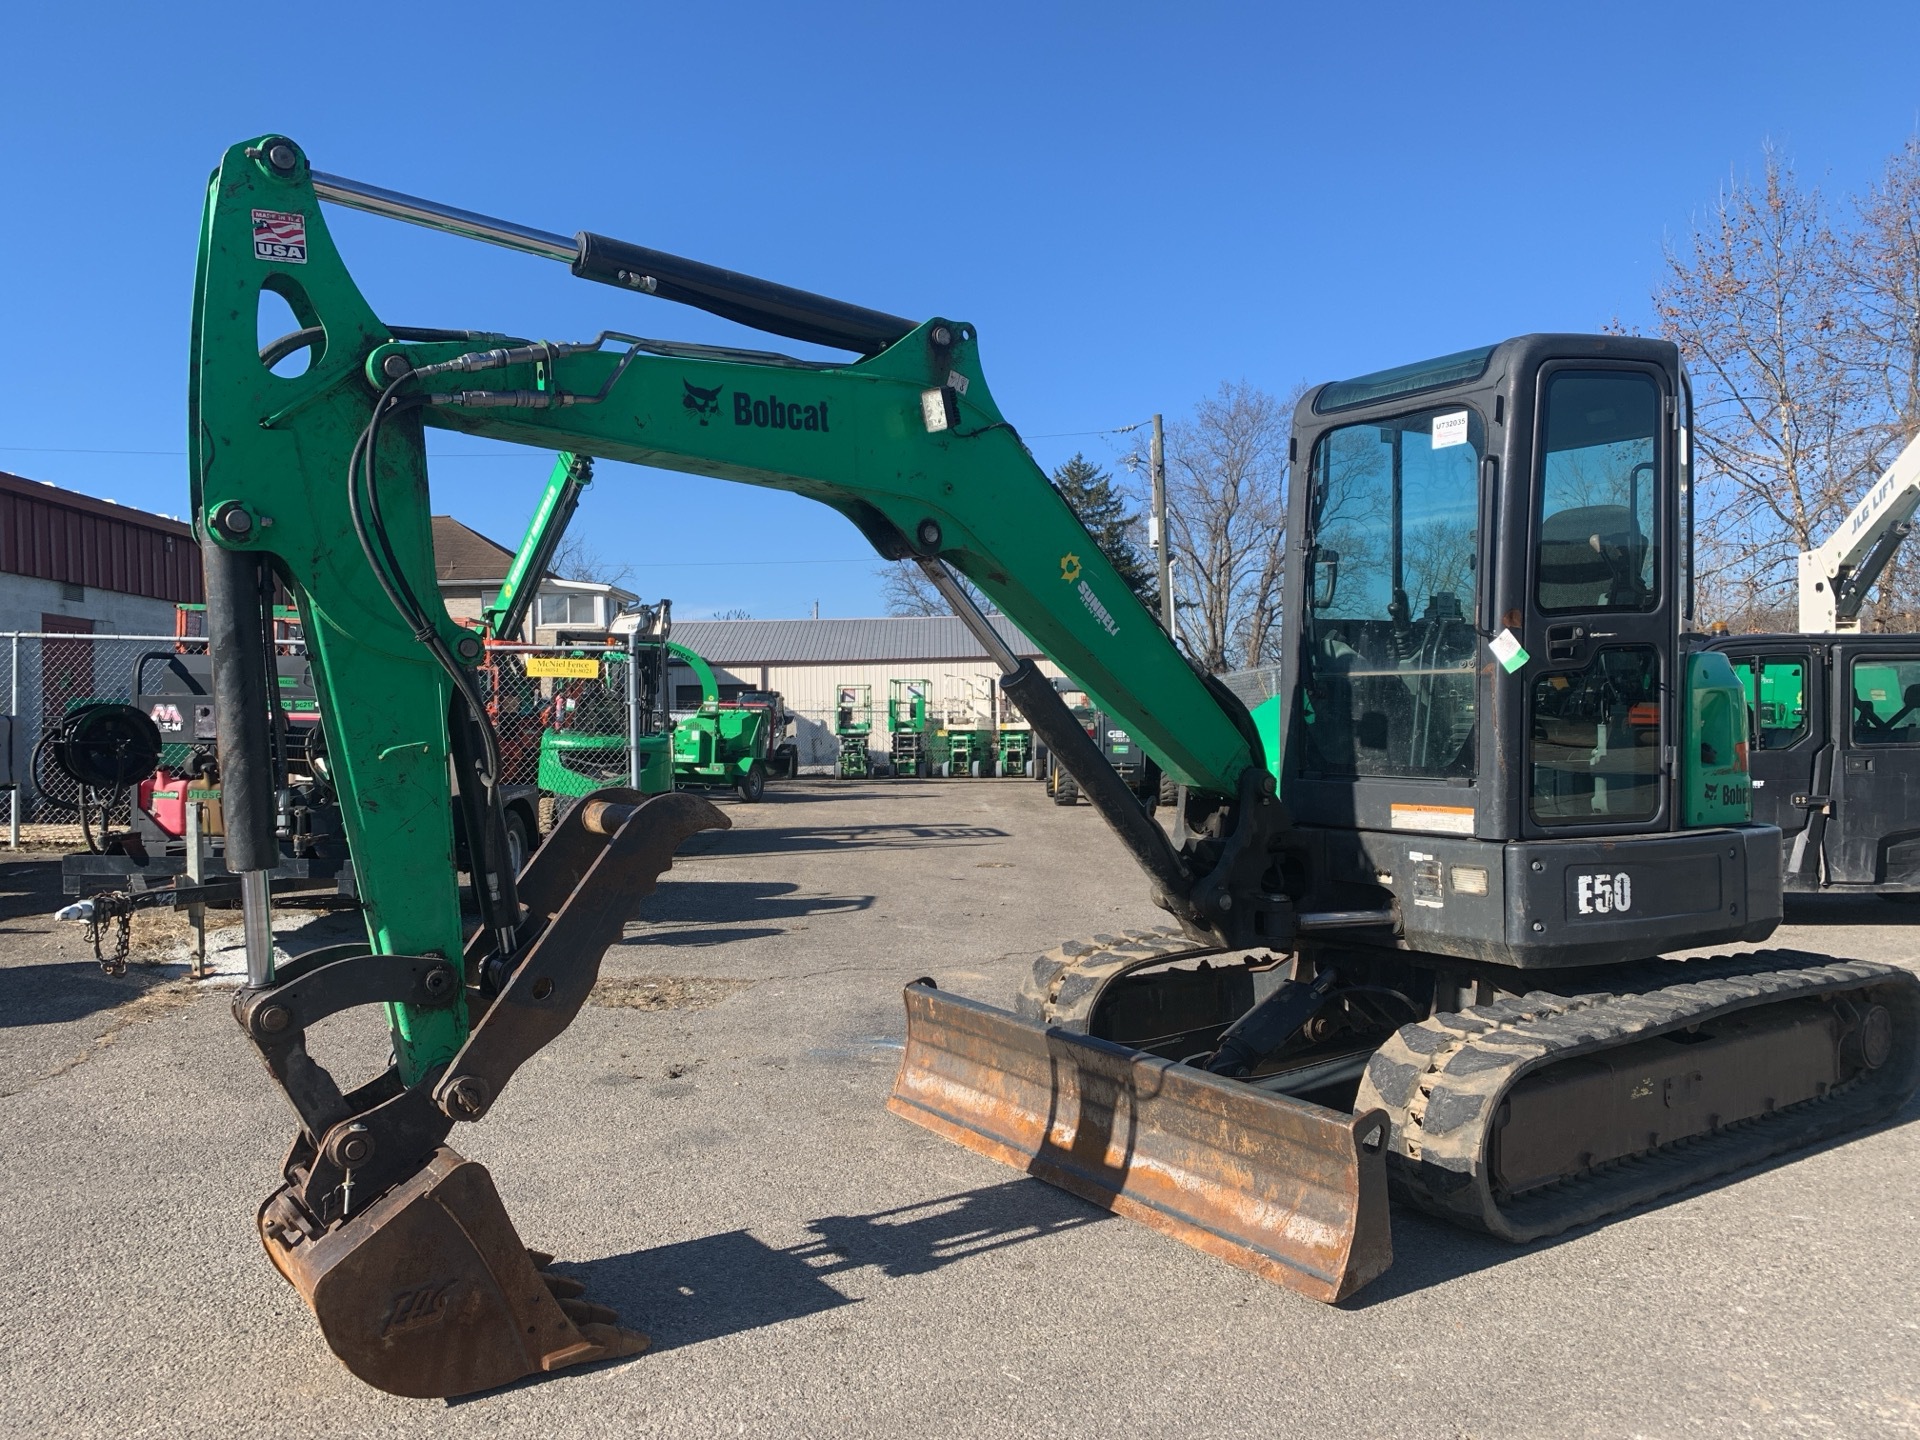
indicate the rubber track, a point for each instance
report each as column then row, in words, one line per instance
column 1441, row 1082
column 1065, row 983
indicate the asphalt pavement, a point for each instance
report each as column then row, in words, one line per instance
column 707, row 1149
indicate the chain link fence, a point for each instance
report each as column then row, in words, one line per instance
column 1253, row 686
column 578, row 695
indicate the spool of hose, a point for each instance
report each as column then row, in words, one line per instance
column 104, row 746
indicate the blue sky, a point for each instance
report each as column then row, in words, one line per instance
column 1132, row 203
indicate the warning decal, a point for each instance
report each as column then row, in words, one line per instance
column 280, row 235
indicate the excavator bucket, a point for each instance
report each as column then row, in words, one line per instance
column 430, row 1293
column 1294, row 1192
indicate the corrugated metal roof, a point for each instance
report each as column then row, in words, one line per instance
column 877, row 640
column 55, row 534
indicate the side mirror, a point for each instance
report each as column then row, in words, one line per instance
column 1326, row 577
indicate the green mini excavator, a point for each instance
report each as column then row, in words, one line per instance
column 1413, row 936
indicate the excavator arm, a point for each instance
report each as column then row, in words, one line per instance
column 309, row 472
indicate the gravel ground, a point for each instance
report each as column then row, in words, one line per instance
column 707, row 1147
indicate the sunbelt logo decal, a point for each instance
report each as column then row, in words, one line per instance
column 1070, row 573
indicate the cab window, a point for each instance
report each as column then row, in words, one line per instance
column 1777, row 696
column 1389, row 630
column 1598, row 543
column 1886, row 701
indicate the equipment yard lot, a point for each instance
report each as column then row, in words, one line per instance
column 707, row 1146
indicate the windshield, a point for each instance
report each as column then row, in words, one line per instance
column 1390, row 642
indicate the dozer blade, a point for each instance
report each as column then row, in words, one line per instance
column 429, row 1293
column 1291, row 1191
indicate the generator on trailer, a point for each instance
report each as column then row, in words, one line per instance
column 1426, row 957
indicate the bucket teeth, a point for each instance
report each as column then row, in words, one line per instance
column 585, row 1312
column 541, row 1259
column 562, row 1287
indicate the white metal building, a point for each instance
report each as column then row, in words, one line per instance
column 808, row 660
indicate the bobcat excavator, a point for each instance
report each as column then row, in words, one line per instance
column 1412, row 943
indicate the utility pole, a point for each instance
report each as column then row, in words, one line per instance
column 1163, row 549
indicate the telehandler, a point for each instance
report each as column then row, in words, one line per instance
column 1416, row 944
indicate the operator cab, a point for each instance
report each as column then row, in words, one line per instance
column 1492, row 573
column 1836, row 754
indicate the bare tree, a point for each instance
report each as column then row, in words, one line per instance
column 1758, row 302
column 1881, row 262
column 735, row 613
column 578, row 559
column 905, row 590
column 1226, row 491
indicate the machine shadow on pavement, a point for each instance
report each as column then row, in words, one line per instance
column 793, row 839
column 720, row 1285
column 702, row 902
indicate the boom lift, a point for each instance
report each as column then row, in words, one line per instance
column 1434, row 951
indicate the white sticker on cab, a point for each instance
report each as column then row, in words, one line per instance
column 1449, row 429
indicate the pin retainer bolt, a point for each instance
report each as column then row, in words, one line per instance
column 469, row 1097
column 352, row 1146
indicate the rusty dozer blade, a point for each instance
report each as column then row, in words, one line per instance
column 1294, row 1192
column 430, row 1293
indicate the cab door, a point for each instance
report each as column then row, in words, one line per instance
column 1874, row 835
column 1787, row 704
column 1599, row 623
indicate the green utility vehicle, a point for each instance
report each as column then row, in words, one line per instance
column 733, row 743
column 852, row 724
column 909, row 721
column 1427, row 958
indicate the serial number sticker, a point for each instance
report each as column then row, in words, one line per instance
column 1449, row 430
column 563, row 667
column 1441, row 819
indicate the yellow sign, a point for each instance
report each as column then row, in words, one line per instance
column 1069, row 567
column 568, row 666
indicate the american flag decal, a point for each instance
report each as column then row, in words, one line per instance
column 279, row 235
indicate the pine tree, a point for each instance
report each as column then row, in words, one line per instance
column 1089, row 491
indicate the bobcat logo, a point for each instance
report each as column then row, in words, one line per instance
column 701, row 402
